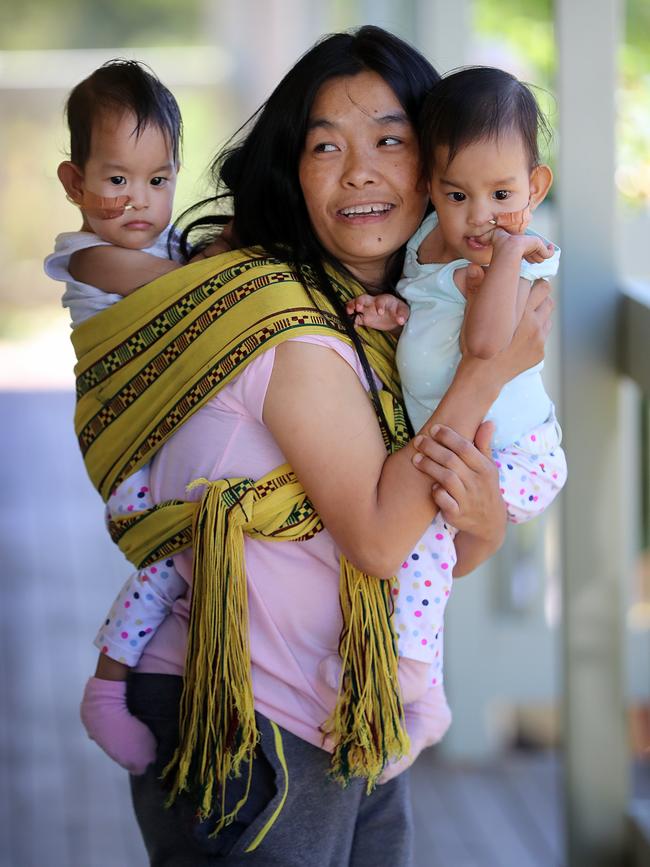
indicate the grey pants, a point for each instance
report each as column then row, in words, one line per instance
column 320, row 825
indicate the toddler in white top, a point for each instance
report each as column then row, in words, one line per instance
column 125, row 135
column 479, row 133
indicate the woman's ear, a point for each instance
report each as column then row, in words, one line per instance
column 541, row 179
column 72, row 179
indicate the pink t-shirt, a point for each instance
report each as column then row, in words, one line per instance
column 293, row 587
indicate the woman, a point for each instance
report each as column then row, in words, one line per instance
column 327, row 179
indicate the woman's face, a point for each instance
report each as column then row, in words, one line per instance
column 359, row 174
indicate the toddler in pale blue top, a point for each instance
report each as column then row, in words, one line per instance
column 479, row 134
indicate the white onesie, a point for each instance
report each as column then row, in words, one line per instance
column 82, row 299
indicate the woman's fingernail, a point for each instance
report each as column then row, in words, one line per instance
column 417, row 458
column 417, row 440
column 433, row 430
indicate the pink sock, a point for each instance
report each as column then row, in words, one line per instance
column 427, row 721
column 108, row 722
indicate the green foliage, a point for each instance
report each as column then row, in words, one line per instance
column 34, row 24
column 527, row 28
column 637, row 29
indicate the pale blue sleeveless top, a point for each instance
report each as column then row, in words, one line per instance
column 428, row 351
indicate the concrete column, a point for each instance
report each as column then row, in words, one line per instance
column 443, row 31
column 594, row 701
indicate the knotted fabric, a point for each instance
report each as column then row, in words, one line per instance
column 144, row 366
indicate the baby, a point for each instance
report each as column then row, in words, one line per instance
column 479, row 144
column 125, row 134
column 125, row 137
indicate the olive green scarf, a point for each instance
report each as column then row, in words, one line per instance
column 145, row 366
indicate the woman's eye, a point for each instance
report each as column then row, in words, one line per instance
column 390, row 140
column 157, row 182
column 117, row 180
column 456, row 197
column 325, row 148
column 502, row 195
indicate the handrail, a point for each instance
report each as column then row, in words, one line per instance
column 634, row 333
column 634, row 361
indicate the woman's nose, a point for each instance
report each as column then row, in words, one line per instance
column 359, row 169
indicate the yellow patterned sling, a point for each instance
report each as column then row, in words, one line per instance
column 144, row 366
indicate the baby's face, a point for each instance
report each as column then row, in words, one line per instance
column 141, row 167
column 484, row 179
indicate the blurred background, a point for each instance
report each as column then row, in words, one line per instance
column 548, row 646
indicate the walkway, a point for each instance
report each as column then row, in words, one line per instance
column 62, row 802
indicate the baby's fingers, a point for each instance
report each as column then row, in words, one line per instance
column 359, row 304
column 399, row 310
column 541, row 252
column 402, row 314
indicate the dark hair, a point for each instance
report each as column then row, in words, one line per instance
column 258, row 170
column 121, row 85
column 476, row 103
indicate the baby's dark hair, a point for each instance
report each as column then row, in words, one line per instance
column 121, row 85
column 477, row 103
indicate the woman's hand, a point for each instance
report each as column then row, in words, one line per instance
column 466, row 481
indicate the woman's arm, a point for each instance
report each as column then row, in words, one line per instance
column 375, row 507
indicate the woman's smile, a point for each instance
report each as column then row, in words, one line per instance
column 374, row 211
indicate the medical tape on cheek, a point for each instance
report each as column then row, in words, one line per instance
column 102, row 207
column 514, row 222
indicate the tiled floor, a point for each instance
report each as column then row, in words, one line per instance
column 62, row 802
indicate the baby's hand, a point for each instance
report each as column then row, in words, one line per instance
column 223, row 243
column 220, row 245
column 382, row 312
column 537, row 250
column 530, row 247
